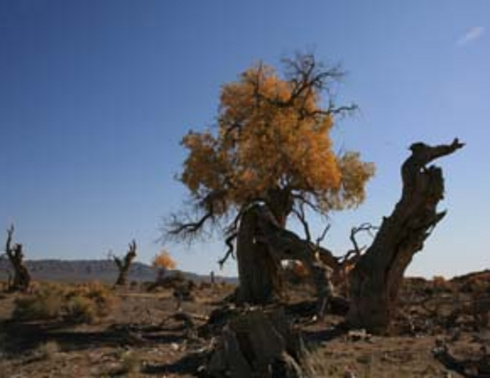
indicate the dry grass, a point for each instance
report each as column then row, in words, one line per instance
column 79, row 304
column 80, row 310
column 44, row 304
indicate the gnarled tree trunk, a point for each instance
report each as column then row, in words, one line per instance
column 260, row 344
column 22, row 278
column 124, row 264
column 257, row 272
column 376, row 278
column 261, row 246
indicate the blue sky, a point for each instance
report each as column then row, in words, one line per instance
column 95, row 96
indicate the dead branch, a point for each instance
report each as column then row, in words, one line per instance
column 185, row 229
column 322, row 235
column 300, row 215
column 230, row 251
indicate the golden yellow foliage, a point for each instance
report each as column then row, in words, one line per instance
column 272, row 142
column 164, row 260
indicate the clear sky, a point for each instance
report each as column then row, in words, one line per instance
column 95, row 96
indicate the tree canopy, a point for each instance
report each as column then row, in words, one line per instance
column 164, row 261
column 272, row 145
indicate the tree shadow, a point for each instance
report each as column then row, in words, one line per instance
column 325, row 335
column 22, row 337
column 188, row 364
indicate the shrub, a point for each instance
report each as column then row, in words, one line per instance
column 103, row 298
column 81, row 304
column 440, row 284
column 44, row 304
column 80, row 310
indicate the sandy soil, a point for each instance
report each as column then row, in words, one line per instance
column 141, row 338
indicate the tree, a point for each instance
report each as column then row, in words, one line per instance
column 15, row 254
column 272, row 150
column 376, row 278
column 124, row 264
column 163, row 262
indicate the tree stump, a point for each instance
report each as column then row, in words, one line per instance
column 259, row 343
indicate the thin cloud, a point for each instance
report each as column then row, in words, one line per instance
column 471, row 35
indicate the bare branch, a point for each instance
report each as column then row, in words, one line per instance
column 306, row 76
column 117, row 260
column 323, row 235
column 8, row 248
column 179, row 228
column 302, row 199
column 357, row 251
column 300, row 215
column 230, row 251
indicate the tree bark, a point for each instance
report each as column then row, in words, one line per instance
column 262, row 244
column 257, row 272
column 376, row 278
column 260, row 343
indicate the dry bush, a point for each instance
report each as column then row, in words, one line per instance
column 476, row 285
column 174, row 281
column 440, row 284
column 103, row 298
column 204, row 285
column 81, row 304
column 80, row 310
column 46, row 303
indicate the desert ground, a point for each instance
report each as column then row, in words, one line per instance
column 440, row 330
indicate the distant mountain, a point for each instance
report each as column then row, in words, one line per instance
column 90, row 270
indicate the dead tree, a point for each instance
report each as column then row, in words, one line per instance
column 15, row 255
column 376, row 278
column 124, row 264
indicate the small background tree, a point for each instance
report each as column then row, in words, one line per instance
column 15, row 254
column 124, row 264
column 163, row 262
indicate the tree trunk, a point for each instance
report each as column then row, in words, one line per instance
column 257, row 272
column 262, row 244
column 22, row 278
column 122, row 278
column 124, row 264
column 376, row 278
